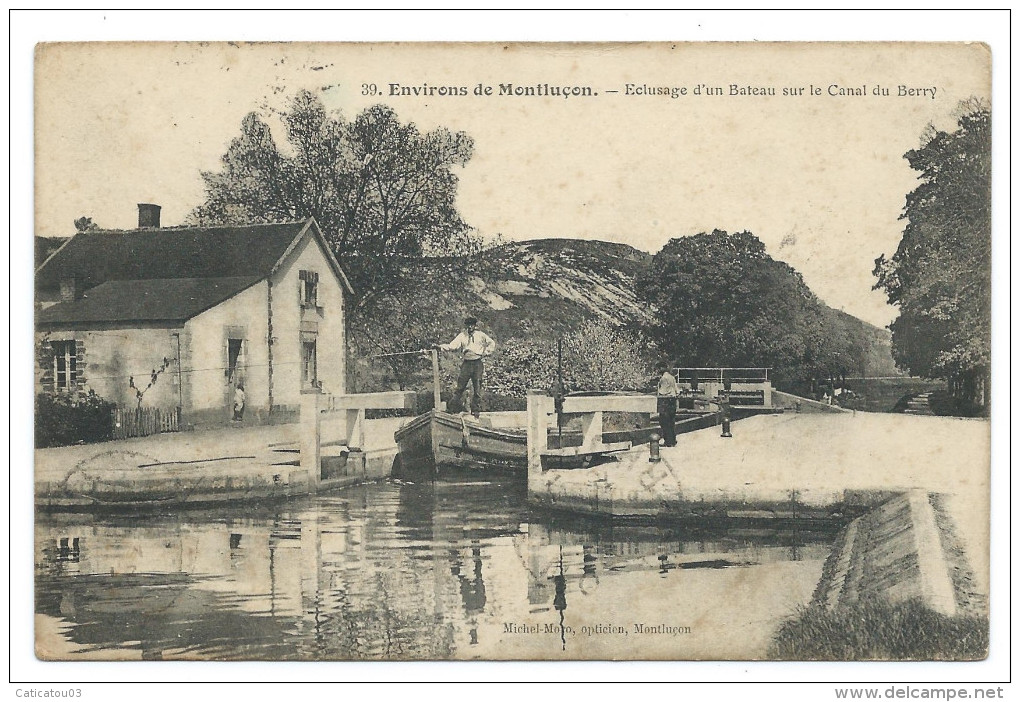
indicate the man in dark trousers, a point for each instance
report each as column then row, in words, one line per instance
column 473, row 346
column 666, row 394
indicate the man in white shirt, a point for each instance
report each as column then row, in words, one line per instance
column 666, row 393
column 473, row 345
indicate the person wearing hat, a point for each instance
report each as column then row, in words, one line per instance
column 473, row 346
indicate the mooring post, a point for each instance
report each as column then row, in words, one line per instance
column 540, row 406
column 591, row 429
column 437, row 401
column 311, row 451
column 355, row 428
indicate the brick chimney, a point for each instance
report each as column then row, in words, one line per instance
column 148, row 216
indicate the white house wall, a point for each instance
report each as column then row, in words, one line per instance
column 109, row 359
column 288, row 316
column 243, row 316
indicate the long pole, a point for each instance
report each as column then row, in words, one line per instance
column 399, row 353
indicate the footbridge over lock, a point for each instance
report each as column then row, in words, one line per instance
column 738, row 386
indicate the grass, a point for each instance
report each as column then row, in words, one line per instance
column 877, row 630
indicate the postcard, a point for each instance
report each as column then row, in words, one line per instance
column 512, row 351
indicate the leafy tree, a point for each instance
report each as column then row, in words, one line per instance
column 382, row 191
column 521, row 364
column 404, row 319
column 940, row 275
column 85, row 224
column 384, row 195
column 721, row 300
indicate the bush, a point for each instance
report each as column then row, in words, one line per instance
column 597, row 356
column 72, row 418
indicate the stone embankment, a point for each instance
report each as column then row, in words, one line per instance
column 907, row 548
column 203, row 467
column 911, row 491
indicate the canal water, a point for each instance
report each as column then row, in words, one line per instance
column 403, row 571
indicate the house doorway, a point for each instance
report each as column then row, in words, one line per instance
column 309, row 370
column 236, row 366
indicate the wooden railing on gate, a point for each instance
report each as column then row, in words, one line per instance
column 339, row 420
column 144, row 421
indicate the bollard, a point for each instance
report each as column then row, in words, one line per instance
column 653, row 449
column 724, row 410
column 726, row 427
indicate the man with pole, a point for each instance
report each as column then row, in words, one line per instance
column 474, row 345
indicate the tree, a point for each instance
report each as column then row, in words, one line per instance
column 721, row 300
column 408, row 318
column 85, row 224
column 383, row 193
column 940, row 275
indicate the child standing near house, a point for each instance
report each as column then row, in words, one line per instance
column 239, row 402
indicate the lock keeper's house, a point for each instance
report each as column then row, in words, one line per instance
column 180, row 316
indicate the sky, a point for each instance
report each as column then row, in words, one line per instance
column 819, row 178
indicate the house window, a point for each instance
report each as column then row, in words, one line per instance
column 65, row 365
column 309, row 288
column 309, row 376
column 234, row 357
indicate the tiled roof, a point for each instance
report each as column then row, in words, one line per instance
column 95, row 257
column 160, row 300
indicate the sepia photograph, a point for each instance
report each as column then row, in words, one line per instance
column 511, row 351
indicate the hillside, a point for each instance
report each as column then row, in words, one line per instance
column 548, row 286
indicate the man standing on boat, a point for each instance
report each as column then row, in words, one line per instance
column 474, row 345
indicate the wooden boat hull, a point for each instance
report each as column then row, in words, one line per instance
column 438, row 443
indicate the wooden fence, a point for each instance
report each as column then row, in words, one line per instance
column 145, row 421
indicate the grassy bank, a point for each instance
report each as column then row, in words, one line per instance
column 876, row 630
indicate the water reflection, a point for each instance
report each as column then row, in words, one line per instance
column 404, row 571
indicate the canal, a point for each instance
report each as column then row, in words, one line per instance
column 403, row 571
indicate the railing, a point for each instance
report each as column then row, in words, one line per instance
column 144, row 421
column 719, row 375
column 541, row 417
column 331, row 421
